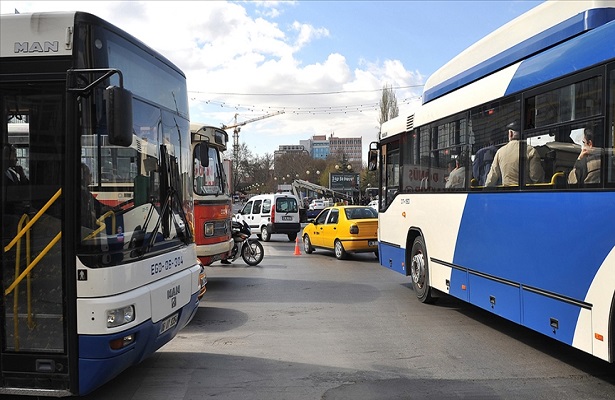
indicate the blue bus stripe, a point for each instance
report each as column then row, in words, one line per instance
column 552, row 241
column 585, row 51
column 558, row 33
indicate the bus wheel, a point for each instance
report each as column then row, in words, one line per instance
column 419, row 270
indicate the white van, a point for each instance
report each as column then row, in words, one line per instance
column 272, row 213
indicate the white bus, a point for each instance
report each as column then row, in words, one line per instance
column 98, row 258
column 537, row 248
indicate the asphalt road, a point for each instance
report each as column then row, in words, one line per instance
column 312, row 327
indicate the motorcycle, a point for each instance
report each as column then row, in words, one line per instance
column 251, row 250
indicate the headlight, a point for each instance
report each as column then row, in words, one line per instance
column 120, row 316
column 208, row 228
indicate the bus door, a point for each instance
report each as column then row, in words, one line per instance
column 33, row 319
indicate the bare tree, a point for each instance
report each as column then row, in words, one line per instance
column 388, row 105
column 241, row 167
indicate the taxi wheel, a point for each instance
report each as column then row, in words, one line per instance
column 307, row 245
column 340, row 253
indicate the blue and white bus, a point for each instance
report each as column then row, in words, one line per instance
column 538, row 249
column 99, row 267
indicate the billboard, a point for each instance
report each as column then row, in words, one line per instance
column 346, row 182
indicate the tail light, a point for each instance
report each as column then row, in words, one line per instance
column 354, row 230
column 273, row 213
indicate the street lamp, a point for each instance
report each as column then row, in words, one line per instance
column 343, row 169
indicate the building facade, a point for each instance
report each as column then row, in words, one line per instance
column 320, row 147
column 351, row 147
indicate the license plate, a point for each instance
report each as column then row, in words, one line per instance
column 372, row 243
column 168, row 323
column 287, row 218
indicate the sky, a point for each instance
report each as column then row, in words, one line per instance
column 308, row 67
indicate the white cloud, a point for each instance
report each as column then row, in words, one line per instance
column 223, row 49
column 306, row 33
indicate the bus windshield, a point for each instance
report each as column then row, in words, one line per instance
column 208, row 174
column 131, row 197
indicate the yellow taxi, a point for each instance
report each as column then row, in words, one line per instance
column 343, row 229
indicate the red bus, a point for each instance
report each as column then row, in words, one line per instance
column 212, row 199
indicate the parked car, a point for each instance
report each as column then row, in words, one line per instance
column 343, row 229
column 269, row 214
column 315, row 207
column 317, row 204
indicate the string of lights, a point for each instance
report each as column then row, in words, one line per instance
column 316, row 110
column 305, row 93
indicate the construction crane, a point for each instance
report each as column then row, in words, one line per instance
column 237, row 127
column 298, row 185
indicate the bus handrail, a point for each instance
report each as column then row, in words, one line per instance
column 101, row 224
column 19, row 276
column 551, row 183
column 24, row 219
column 553, row 180
column 34, row 262
column 33, row 220
column 26, row 231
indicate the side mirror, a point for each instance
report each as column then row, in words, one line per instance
column 119, row 116
column 372, row 157
column 204, row 154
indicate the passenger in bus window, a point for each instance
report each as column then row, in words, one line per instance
column 587, row 167
column 482, row 163
column 14, row 173
column 505, row 167
column 457, row 177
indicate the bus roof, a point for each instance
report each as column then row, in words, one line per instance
column 538, row 68
column 201, row 132
column 47, row 33
column 52, row 34
column 544, row 26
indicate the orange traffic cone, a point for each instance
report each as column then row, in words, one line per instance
column 297, row 251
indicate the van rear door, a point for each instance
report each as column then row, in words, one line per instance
column 286, row 210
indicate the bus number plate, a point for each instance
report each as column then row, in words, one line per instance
column 287, row 218
column 168, row 323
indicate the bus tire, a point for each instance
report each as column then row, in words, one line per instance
column 419, row 271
